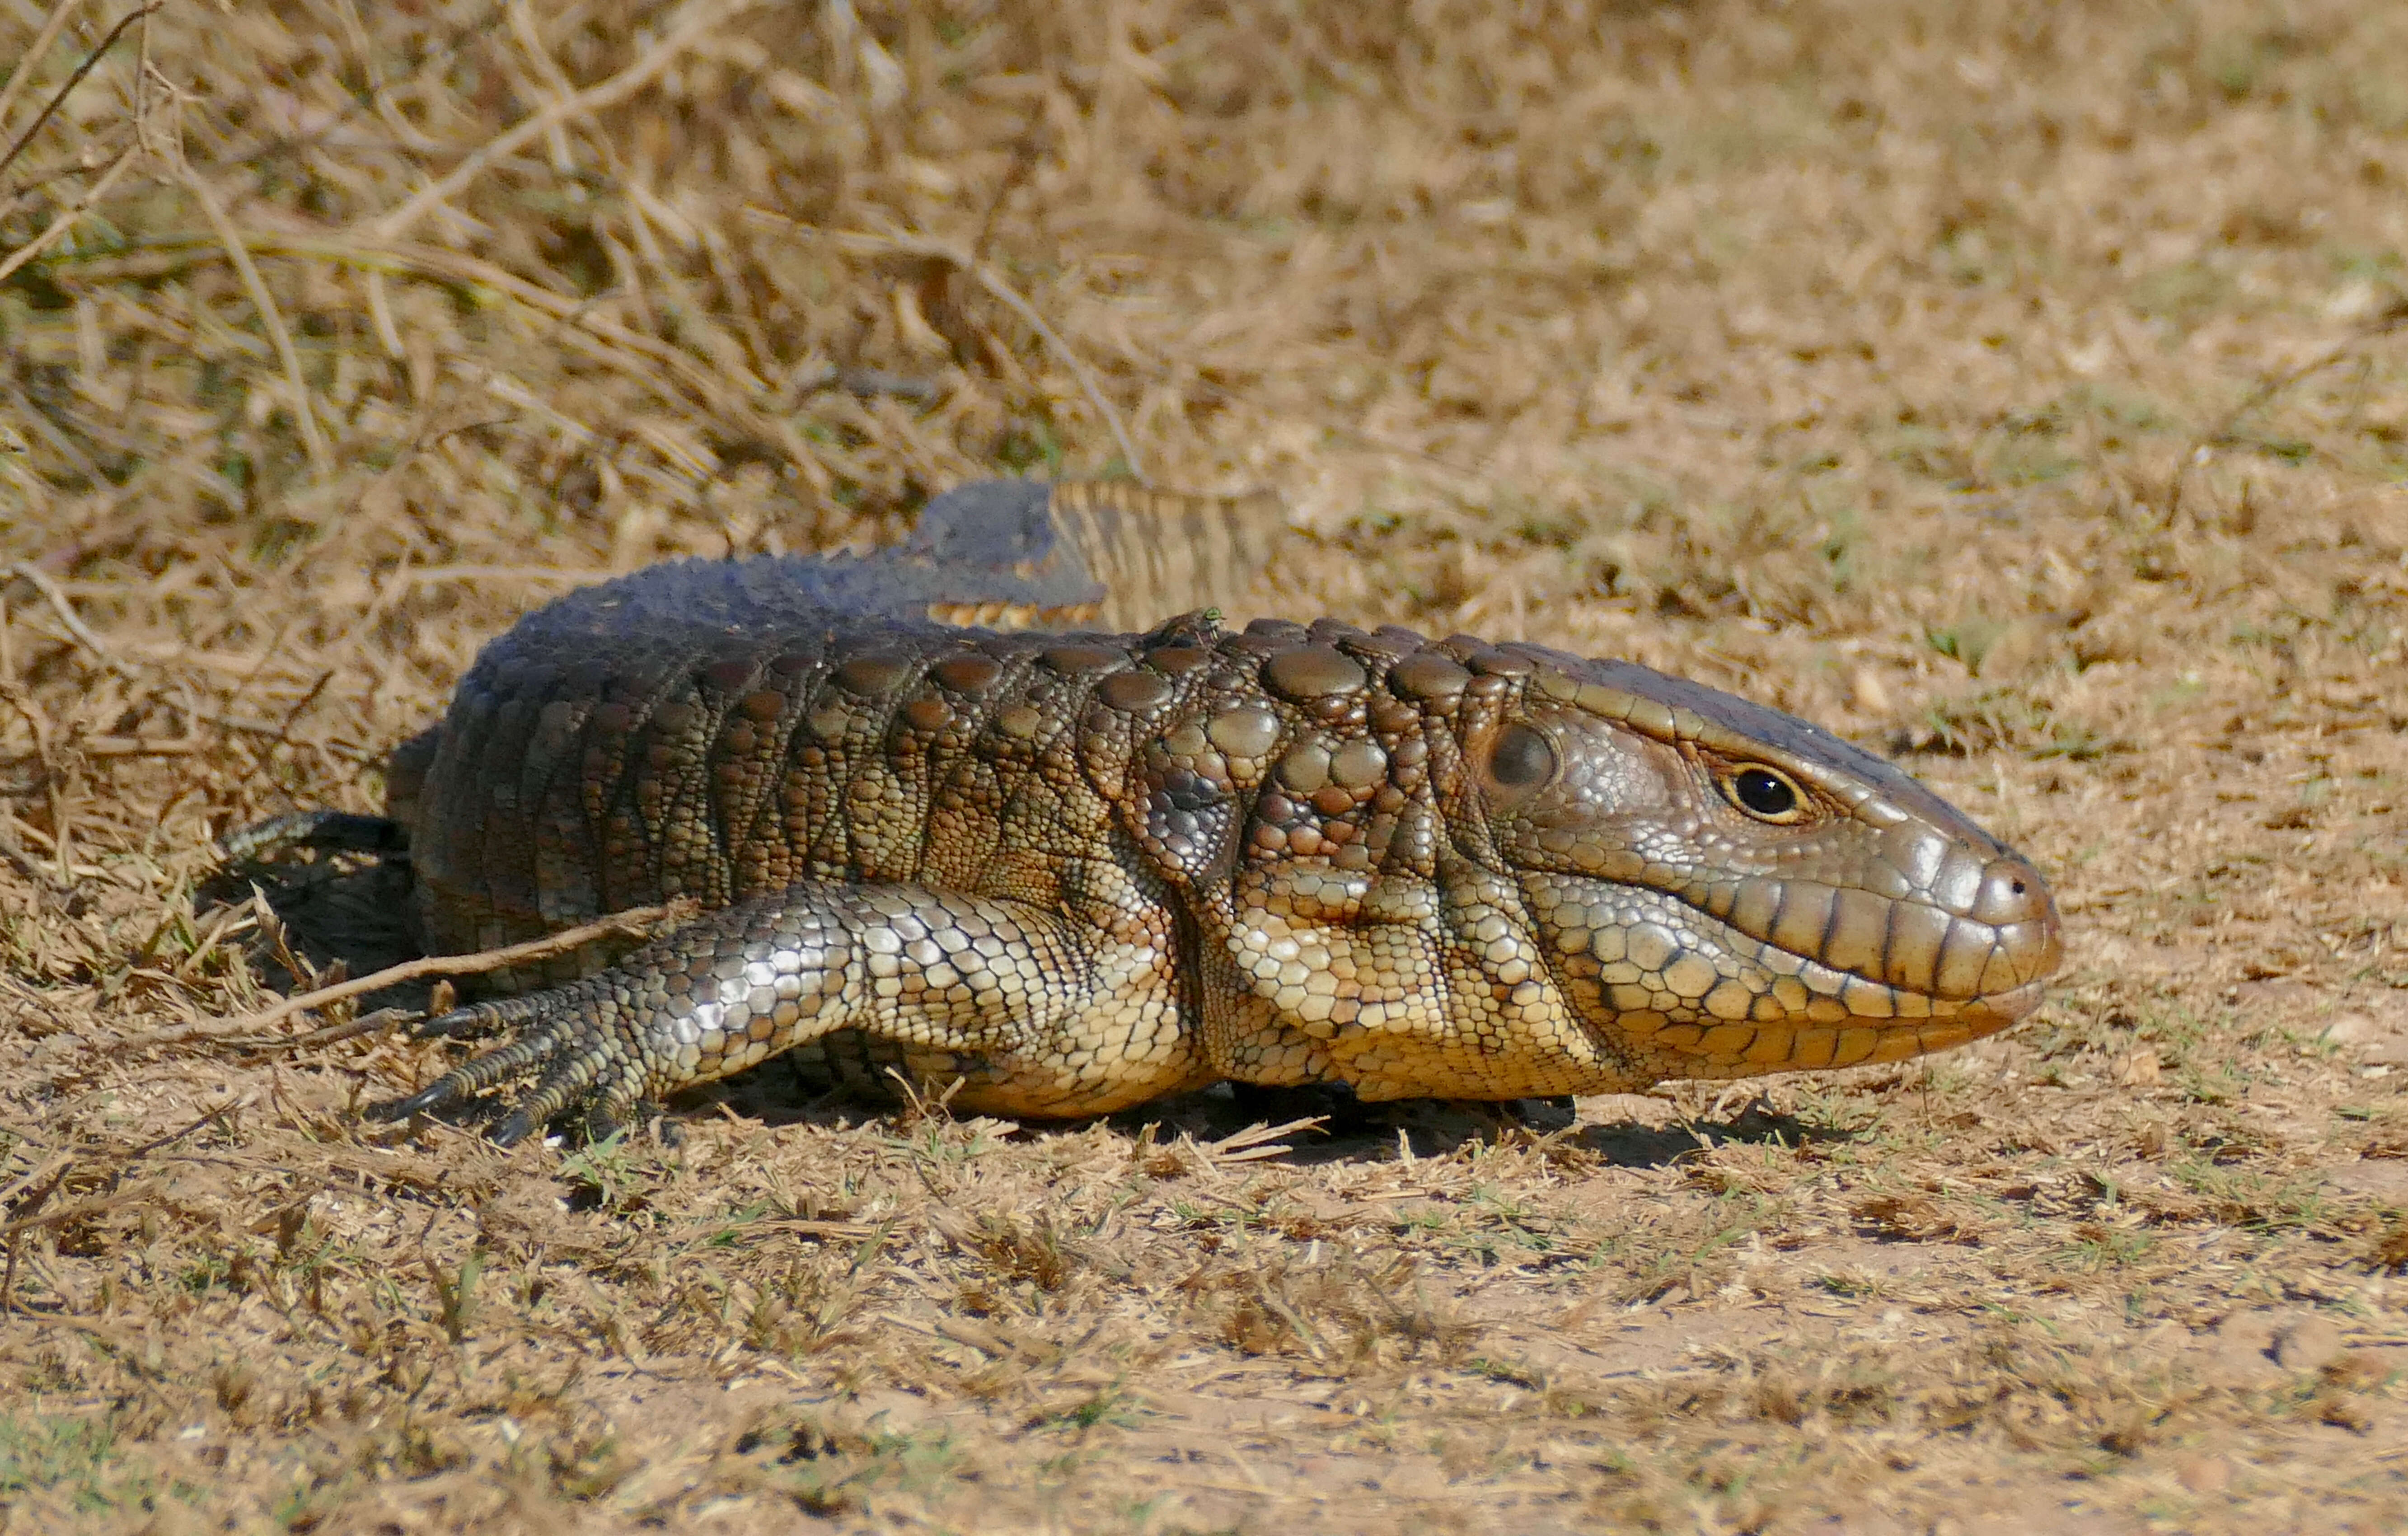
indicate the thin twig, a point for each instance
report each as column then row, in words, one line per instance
column 16, row 1228
column 59, row 96
column 700, row 18
column 530, row 36
column 142, row 84
column 635, row 923
column 29, row 60
column 437, row 55
column 1009, row 297
column 88, row 1207
column 59, row 891
column 810, row 379
column 59, row 1165
column 68, row 218
column 57, row 598
column 322, row 457
column 169, row 1138
column 1001, row 291
column 1015, row 176
column 380, row 94
column 82, row 165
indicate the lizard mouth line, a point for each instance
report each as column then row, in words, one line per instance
column 1799, row 1044
column 1870, row 1001
column 1771, row 1009
column 1906, row 957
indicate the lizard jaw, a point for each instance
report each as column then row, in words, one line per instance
column 1690, row 995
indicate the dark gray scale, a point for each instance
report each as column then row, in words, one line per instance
column 1027, row 737
column 722, row 798
column 680, row 778
column 568, row 891
column 883, row 806
column 969, row 781
column 764, row 708
column 1178, row 783
column 1187, row 820
column 1011, row 759
column 508, row 857
column 452, row 887
column 619, row 774
column 841, row 723
column 647, row 781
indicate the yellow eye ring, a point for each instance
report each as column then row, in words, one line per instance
column 1764, row 794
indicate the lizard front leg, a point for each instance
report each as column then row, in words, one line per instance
column 1041, row 1013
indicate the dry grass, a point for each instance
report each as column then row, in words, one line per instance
column 2019, row 387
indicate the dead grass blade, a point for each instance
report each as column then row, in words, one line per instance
column 22, row 75
column 1259, row 1141
column 631, row 353
column 67, row 217
column 40, row 582
column 1002, row 292
column 58, row 97
column 305, row 414
column 133, row 1195
column 635, row 923
column 2393, row 319
column 693, row 21
column 52, row 1170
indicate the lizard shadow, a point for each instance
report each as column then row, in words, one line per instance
column 1349, row 1130
column 332, row 909
column 1633, row 1144
column 1426, row 1127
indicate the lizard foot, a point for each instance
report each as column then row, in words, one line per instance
column 711, row 999
column 564, row 1037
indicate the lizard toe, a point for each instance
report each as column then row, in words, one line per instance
column 550, row 1048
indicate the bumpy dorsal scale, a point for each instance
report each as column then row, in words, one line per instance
column 1080, row 871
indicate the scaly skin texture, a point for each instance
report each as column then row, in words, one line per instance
column 1079, row 871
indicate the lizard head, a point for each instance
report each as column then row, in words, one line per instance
column 1739, row 891
column 1452, row 867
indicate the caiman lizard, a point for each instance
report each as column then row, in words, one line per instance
column 1080, row 871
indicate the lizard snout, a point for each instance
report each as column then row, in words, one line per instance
column 1985, row 926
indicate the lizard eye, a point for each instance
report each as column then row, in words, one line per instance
column 1765, row 794
column 1521, row 758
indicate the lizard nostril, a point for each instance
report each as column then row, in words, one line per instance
column 2010, row 891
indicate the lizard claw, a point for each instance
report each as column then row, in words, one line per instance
column 576, row 1064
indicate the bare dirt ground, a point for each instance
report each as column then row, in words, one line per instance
column 2020, row 388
